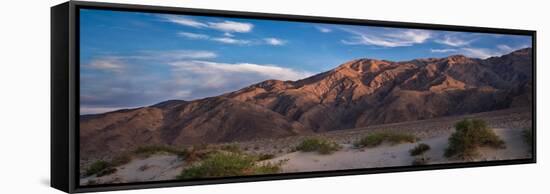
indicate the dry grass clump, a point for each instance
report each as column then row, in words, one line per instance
column 471, row 134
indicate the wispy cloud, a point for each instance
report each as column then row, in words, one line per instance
column 225, row 26
column 443, row 50
column 504, row 47
column 275, row 41
column 323, row 29
column 120, row 63
column 107, row 64
column 171, row 55
column 193, row 35
column 231, row 26
column 393, row 38
column 181, row 20
column 223, row 75
column 481, row 53
column 229, row 40
column 453, row 41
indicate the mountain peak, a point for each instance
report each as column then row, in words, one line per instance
column 363, row 65
column 457, row 57
column 273, row 84
column 168, row 103
column 523, row 51
column 456, row 60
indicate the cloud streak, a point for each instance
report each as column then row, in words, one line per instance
column 193, row 35
column 216, row 68
column 175, row 55
column 443, row 50
column 231, row 26
column 453, row 41
column 184, row 21
column 228, row 38
column 225, row 26
column 323, row 29
column 395, row 38
column 108, row 64
column 275, row 41
column 481, row 53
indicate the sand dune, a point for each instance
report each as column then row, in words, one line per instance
column 167, row 167
column 153, row 168
column 398, row 155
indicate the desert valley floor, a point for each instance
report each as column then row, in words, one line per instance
column 508, row 124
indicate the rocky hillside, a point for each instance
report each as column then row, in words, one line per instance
column 358, row 93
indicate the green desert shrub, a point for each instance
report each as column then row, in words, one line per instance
column 107, row 171
column 231, row 148
column 375, row 139
column 267, row 168
column 197, row 153
column 419, row 149
column 121, row 160
column 469, row 135
column 154, row 149
column 102, row 168
column 265, row 157
column 322, row 146
column 224, row 164
column 96, row 167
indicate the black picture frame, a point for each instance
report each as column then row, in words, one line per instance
column 65, row 92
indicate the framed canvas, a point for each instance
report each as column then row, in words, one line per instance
column 148, row 96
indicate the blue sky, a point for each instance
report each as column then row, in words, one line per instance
column 131, row 59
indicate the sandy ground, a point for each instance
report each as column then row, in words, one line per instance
column 166, row 167
column 153, row 168
column 398, row 155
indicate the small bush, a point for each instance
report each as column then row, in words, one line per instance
column 107, row 171
column 322, row 146
column 231, row 148
column 150, row 150
column 269, row 168
column 420, row 161
column 197, row 153
column 265, row 157
column 121, row 160
column 375, row 139
column 225, row 164
column 96, row 167
column 102, row 168
column 419, row 149
column 469, row 135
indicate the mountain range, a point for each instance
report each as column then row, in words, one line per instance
column 358, row 93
